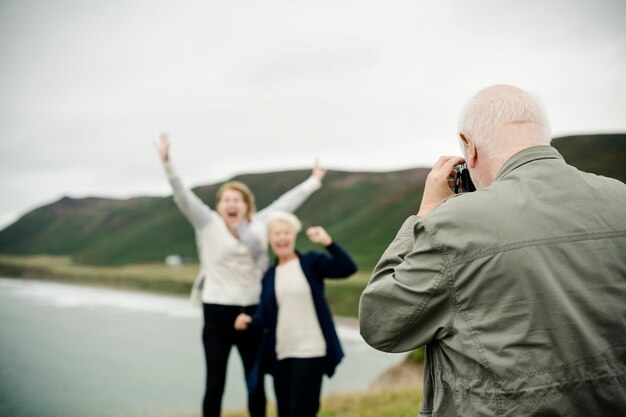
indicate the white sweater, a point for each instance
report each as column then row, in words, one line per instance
column 298, row 331
column 231, row 270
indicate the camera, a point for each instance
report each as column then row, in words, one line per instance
column 463, row 181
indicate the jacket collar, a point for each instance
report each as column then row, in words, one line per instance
column 528, row 155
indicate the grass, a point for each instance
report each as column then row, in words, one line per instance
column 147, row 277
column 389, row 403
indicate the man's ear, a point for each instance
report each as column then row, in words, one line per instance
column 471, row 153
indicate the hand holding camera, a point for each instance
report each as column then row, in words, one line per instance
column 440, row 181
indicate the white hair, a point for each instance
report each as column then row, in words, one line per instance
column 286, row 217
column 483, row 119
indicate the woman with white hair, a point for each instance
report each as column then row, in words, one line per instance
column 301, row 341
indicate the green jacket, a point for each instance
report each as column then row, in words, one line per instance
column 518, row 291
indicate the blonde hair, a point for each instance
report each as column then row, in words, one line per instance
column 243, row 189
column 286, row 217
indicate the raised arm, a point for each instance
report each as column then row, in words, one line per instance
column 194, row 209
column 339, row 264
column 292, row 199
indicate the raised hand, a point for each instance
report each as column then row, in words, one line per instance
column 163, row 147
column 318, row 172
column 318, row 234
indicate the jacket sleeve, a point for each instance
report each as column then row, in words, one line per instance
column 407, row 301
column 338, row 265
column 194, row 209
column 259, row 318
column 292, row 199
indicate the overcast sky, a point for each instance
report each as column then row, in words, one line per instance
column 252, row 86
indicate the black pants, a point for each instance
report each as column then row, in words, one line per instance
column 218, row 337
column 298, row 384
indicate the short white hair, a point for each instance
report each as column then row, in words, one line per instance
column 286, row 217
column 483, row 119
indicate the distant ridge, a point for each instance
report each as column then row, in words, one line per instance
column 362, row 210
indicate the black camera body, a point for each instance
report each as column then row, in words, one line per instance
column 463, row 180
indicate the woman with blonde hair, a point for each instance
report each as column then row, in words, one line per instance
column 232, row 248
column 301, row 343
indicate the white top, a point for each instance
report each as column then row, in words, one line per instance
column 231, row 269
column 298, row 331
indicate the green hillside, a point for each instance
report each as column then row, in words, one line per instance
column 598, row 154
column 361, row 210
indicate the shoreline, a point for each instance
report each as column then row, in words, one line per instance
column 403, row 377
column 153, row 278
column 404, row 374
column 343, row 295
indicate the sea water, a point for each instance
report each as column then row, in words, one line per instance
column 74, row 351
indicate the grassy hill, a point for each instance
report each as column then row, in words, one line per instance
column 362, row 210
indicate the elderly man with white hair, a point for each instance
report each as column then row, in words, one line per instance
column 301, row 344
column 517, row 290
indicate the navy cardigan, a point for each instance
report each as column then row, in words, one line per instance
column 316, row 267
